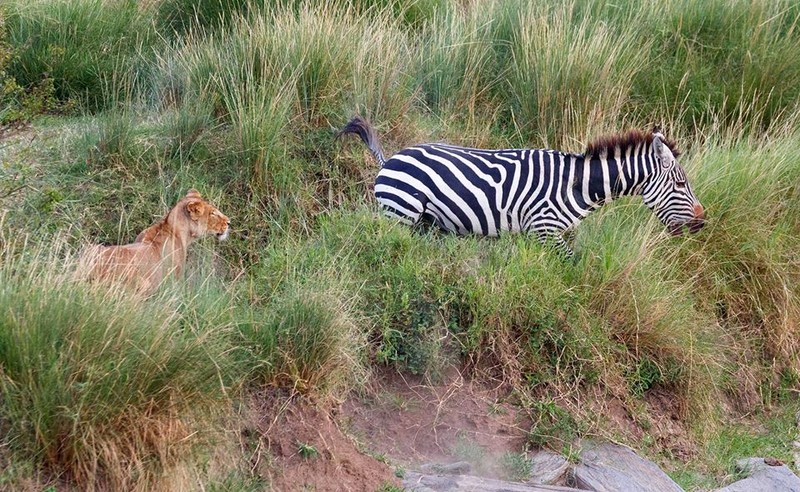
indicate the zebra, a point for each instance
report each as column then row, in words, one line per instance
column 547, row 192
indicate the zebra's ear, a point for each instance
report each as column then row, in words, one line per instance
column 658, row 144
column 662, row 151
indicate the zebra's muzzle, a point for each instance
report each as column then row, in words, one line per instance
column 694, row 225
column 676, row 229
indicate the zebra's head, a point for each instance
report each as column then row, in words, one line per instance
column 667, row 192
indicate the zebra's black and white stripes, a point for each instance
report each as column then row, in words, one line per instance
column 486, row 192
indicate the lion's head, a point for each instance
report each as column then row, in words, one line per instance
column 193, row 216
column 203, row 217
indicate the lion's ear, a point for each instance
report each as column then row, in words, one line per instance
column 195, row 209
column 192, row 193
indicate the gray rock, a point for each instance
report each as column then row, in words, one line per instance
column 418, row 482
column 457, row 468
column 548, row 469
column 763, row 478
column 796, row 445
column 611, row 468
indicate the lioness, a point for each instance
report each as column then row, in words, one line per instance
column 158, row 250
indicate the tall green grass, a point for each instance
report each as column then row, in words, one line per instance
column 78, row 45
column 571, row 75
column 746, row 265
column 329, row 60
column 454, row 62
column 176, row 18
column 723, row 59
column 97, row 385
column 536, row 69
column 276, row 83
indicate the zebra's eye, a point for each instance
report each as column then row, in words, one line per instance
column 680, row 183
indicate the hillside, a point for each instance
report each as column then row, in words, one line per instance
column 318, row 307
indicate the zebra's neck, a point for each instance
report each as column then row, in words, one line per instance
column 604, row 177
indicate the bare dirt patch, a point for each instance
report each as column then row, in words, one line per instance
column 668, row 427
column 304, row 449
column 412, row 422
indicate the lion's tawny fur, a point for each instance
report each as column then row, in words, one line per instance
column 159, row 250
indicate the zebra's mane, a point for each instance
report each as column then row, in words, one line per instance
column 624, row 140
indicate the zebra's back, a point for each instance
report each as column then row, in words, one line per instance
column 465, row 190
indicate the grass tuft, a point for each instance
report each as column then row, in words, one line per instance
column 97, row 385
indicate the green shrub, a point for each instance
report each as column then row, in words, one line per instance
column 16, row 104
column 552, row 426
column 79, row 45
column 176, row 18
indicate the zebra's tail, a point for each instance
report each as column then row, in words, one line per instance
column 364, row 130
